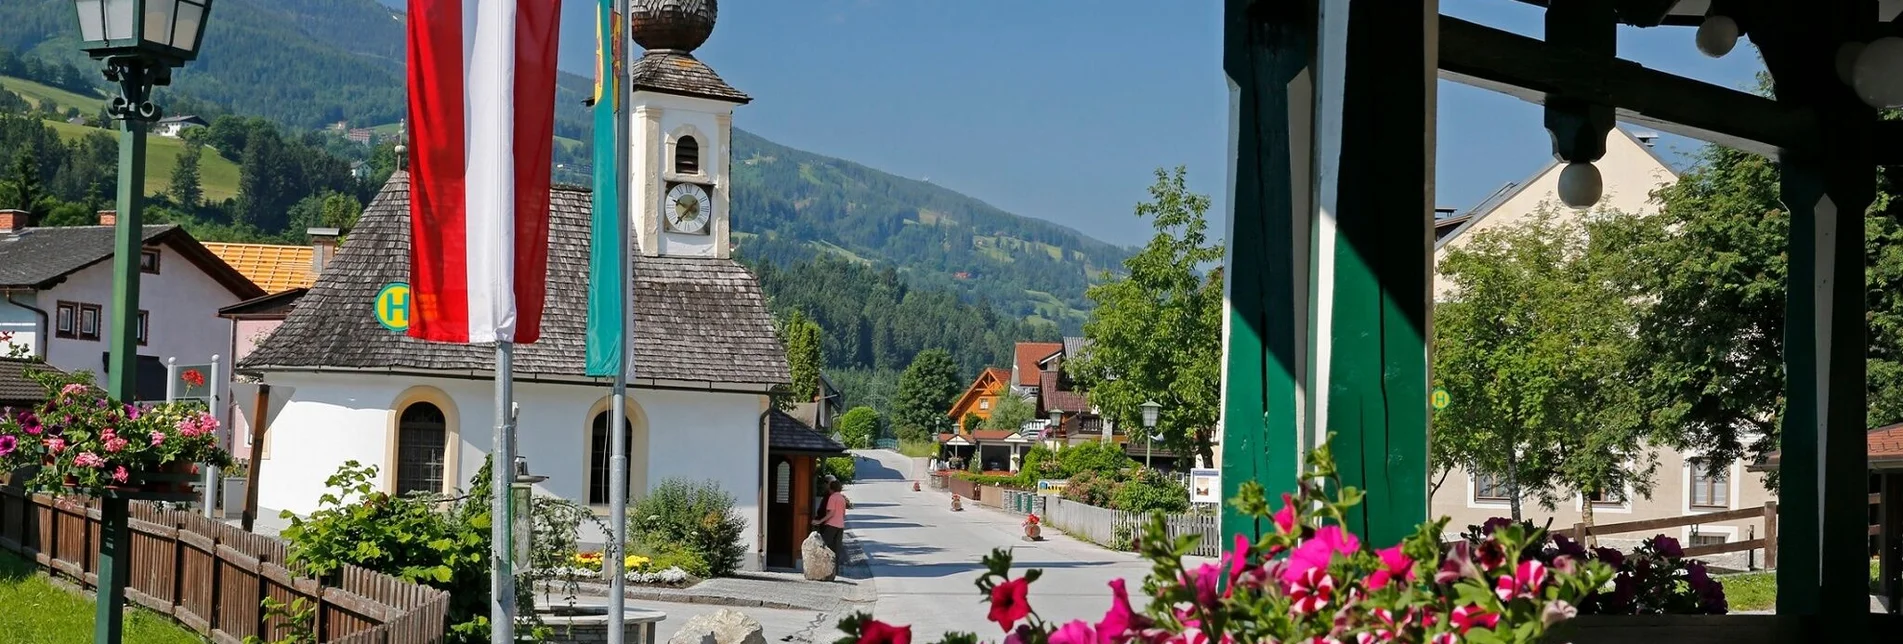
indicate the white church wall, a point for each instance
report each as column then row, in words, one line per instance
column 333, row 418
column 659, row 120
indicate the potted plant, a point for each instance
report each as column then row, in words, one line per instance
column 81, row 441
column 232, row 491
column 1033, row 528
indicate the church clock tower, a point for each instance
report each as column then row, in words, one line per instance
column 681, row 134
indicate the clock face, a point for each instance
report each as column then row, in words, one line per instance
column 688, row 208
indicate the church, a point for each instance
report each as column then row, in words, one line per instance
column 704, row 352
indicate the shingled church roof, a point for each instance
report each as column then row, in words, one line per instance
column 697, row 320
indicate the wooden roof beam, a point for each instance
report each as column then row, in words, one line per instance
column 1530, row 69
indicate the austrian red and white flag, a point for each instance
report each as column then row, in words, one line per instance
column 482, row 120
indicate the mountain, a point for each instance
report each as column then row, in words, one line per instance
column 310, row 63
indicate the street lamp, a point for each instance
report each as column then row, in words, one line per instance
column 139, row 41
column 1150, row 408
column 1057, row 423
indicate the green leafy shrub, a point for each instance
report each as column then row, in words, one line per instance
column 697, row 516
column 859, row 427
column 407, row 537
column 1002, row 480
column 844, row 468
column 1038, row 463
column 1102, row 458
column 671, row 555
column 976, row 465
column 1091, row 488
column 1149, row 491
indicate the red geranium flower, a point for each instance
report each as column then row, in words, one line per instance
column 877, row 632
column 193, row 377
column 1010, row 602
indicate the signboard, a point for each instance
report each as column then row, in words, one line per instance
column 1440, row 399
column 1052, row 486
column 393, row 306
column 1205, row 485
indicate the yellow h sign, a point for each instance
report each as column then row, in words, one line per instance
column 393, row 306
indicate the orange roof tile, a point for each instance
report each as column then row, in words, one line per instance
column 1028, row 355
column 273, row 267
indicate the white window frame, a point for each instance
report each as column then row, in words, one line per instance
column 1735, row 474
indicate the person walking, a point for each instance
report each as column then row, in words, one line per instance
column 832, row 520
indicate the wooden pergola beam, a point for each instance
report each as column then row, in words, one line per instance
column 1530, row 69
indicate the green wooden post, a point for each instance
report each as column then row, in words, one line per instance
column 1267, row 46
column 128, row 241
column 1823, row 502
column 1328, row 278
column 115, row 559
column 1377, row 181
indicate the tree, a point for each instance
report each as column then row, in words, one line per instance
column 971, row 423
column 1156, row 333
column 858, row 427
column 23, row 183
column 185, row 188
column 1011, row 412
column 926, row 391
column 801, row 337
column 1535, row 350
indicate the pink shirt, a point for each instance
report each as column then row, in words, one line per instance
column 836, row 510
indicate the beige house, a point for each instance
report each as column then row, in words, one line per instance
column 1631, row 171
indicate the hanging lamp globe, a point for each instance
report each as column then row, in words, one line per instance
column 1877, row 75
column 161, row 31
column 1717, row 35
column 1580, row 185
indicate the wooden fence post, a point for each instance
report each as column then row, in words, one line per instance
column 1770, row 535
column 1579, row 533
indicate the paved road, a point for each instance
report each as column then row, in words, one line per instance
column 925, row 557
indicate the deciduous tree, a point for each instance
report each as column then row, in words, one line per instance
column 1010, row 412
column 858, row 427
column 1534, row 345
column 926, row 391
column 1156, row 333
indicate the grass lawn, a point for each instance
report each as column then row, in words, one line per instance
column 35, row 92
column 37, row 612
column 217, row 176
column 917, row 449
column 1758, row 590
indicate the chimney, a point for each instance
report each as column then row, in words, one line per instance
column 323, row 247
column 108, row 217
column 12, row 220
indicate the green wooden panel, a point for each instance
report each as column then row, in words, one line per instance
column 1377, row 322
column 1266, row 47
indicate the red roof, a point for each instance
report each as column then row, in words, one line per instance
column 992, row 434
column 1052, row 397
column 1031, row 353
column 1884, row 445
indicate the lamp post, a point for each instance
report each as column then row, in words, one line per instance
column 139, row 41
column 1057, row 424
column 1150, row 408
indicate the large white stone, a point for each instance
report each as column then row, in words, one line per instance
column 818, row 560
column 725, row 626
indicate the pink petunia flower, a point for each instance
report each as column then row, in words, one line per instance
column 1312, row 592
column 1319, row 550
column 1076, row 632
column 1523, row 582
column 1395, row 565
column 8, row 443
column 1121, row 619
column 1203, row 580
column 1285, row 517
column 1467, row 617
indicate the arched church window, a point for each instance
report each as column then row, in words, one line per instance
column 421, row 442
column 598, row 445
column 687, row 156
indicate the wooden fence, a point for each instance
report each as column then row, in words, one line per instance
column 1116, row 529
column 1765, row 540
column 212, row 577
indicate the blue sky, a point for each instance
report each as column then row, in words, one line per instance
column 1061, row 109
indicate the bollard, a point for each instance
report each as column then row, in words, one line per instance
column 956, row 505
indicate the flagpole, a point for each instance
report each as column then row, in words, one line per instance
column 501, row 529
column 617, row 90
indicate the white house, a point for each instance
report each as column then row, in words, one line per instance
column 704, row 352
column 1631, row 172
column 175, row 126
column 56, row 297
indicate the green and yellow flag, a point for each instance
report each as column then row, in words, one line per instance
column 607, row 255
